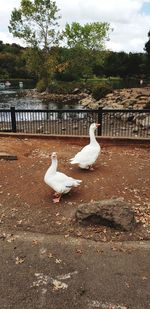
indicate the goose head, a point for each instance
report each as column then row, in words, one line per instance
column 54, row 156
column 54, row 163
column 94, row 126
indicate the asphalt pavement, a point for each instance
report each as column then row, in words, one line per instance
column 60, row 272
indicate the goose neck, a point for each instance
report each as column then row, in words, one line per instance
column 53, row 167
column 92, row 136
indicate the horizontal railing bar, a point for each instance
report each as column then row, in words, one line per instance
column 5, row 110
column 79, row 110
column 125, row 110
column 55, row 110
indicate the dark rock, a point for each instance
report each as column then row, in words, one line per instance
column 114, row 213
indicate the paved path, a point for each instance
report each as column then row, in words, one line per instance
column 57, row 272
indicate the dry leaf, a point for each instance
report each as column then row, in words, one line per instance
column 50, row 255
column 19, row 260
column 58, row 261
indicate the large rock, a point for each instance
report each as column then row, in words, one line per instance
column 114, row 213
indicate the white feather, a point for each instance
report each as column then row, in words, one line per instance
column 59, row 182
column 89, row 154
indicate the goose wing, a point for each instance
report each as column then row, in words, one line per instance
column 62, row 183
column 88, row 153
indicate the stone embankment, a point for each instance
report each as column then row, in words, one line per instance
column 134, row 98
column 56, row 98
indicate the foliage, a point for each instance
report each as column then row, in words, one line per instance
column 35, row 22
column 72, row 64
column 101, row 91
column 40, row 86
column 147, row 45
column 89, row 36
column 33, row 61
column 12, row 64
column 147, row 49
column 76, row 64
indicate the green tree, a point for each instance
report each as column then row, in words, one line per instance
column 89, row 36
column 147, row 49
column 36, row 23
column 147, row 45
column 83, row 42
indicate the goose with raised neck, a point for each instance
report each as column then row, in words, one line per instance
column 87, row 156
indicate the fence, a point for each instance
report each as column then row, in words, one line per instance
column 122, row 123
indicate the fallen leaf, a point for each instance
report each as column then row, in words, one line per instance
column 19, row 260
column 58, row 261
column 50, row 255
column 59, row 285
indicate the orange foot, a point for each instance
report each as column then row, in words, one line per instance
column 56, row 198
column 91, row 168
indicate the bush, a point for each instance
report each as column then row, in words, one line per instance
column 41, row 85
column 101, row 91
column 63, row 87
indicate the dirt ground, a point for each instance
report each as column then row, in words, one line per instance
column 26, row 201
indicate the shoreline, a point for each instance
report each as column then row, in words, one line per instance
column 57, row 98
column 132, row 98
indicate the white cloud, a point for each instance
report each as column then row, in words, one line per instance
column 130, row 25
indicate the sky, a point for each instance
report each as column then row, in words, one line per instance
column 130, row 20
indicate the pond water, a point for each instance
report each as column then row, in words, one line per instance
column 9, row 98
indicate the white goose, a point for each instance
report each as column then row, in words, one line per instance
column 58, row 181
column 88, row 155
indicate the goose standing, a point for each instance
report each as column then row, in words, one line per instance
column 88, row 154
column 58, row 181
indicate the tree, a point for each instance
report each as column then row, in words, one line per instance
column 147, row 49
column 90, row 36
column 35, row 22
column 147, row 45
column 83, row 41
column 73, row 64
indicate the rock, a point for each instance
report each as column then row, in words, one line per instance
column 88, row 101
column 135, row 98
column 114, row 213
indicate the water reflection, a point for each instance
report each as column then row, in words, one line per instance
column 9, row 98
column 14, row 98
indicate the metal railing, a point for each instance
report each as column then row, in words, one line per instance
column 114, row 122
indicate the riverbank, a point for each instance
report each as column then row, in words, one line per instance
column 132, row 98
column 56, row 98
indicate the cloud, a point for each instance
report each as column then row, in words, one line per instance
column 130, row 23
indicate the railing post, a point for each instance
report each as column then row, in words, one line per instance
column 100, row 121
column 13, row 119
